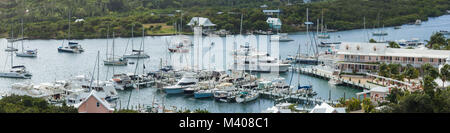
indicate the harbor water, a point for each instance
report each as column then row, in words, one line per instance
column 50, row 65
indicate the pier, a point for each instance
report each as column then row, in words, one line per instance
column 327, row 75
column 279, row 97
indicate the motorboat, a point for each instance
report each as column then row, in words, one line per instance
column 279, row 108
column 281, row 37
column 188, row 80
column 116, row 62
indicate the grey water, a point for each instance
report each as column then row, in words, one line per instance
column 50, row 65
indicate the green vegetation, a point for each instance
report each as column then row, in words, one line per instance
column 437, row 42
column 394, row 45
column 429, row 100
column 27, row 104
column 195, row 111
column 49, row 18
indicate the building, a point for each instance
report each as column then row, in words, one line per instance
column 366, row 57
column 94, row 104
column 274, row 23
column 377, row 94
column 201, row 21
column 325, row 108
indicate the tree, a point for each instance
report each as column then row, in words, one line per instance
column 411, row 73
column 429, row 70
column 372, row 41
column 436, row 40
column 429, row 85
column 394, row 45
column 445, row 74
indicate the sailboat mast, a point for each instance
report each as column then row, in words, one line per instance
column 107, row 42
column 23, row 5
column 132, row 37
column 113, row 45
column 69, row 22
column 242, row 17
column 322, row 23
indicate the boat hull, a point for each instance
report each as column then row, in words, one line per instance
column 173, row 90
column 15, row 75
column 64, row 50
column 203, row 95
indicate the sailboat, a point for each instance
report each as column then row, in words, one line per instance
column 72, row 47
column 137, row 53
column 11, row 40
column 380, row 32
column 26, row 53
column 18, row 71
column 323, row 34
column 113, row 61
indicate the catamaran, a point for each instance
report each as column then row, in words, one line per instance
column 137, row 53
column 72, row 47
column 18, row 71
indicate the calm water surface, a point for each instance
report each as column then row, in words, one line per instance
column 51, row 65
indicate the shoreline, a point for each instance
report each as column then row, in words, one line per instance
column 191, row 33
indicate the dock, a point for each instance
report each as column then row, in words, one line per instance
column 327, row 75
column 279, row 97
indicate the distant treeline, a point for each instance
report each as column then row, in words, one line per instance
column 49, row 18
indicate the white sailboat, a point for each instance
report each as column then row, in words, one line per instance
column 26, row 53
column 72, row 47
column 323, row 34
column 115, row 61
column 18, row 71
column 11, row 40
column 137, row 53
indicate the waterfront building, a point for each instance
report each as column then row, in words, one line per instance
column 274, row 23
column 366, row 57
column 94, row 104
column 201, row 21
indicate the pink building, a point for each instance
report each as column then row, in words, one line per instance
column 94, row 104
column 365, row 57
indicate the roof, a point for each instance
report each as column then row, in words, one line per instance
column 325, row 108
column 274, row 21
column 380, row 49
column 95, row 95
column 201, row 21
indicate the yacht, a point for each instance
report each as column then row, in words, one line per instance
column 17, row 72
column 418, row 22
column 335, row 82
column 258, row 62
column 281, row 37
column 379, row 33
column 27, row 53
column 122, row 81
column 188, row 80
column 247, row 96
column 73, row 47
column 137, row 53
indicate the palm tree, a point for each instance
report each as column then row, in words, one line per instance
column 445, row 74
column 411, row 73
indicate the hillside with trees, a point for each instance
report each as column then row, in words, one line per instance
column 49, row 18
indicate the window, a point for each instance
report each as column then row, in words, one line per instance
column 370, row 58
column 431, row 60
column 374, row 48
column 98, row 104
column 357, row 47
column 419, row 59
column 346, row 47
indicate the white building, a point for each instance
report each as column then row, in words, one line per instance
column 201, row 21
column 274, row 23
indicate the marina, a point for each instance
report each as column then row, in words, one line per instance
column 52, row 66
